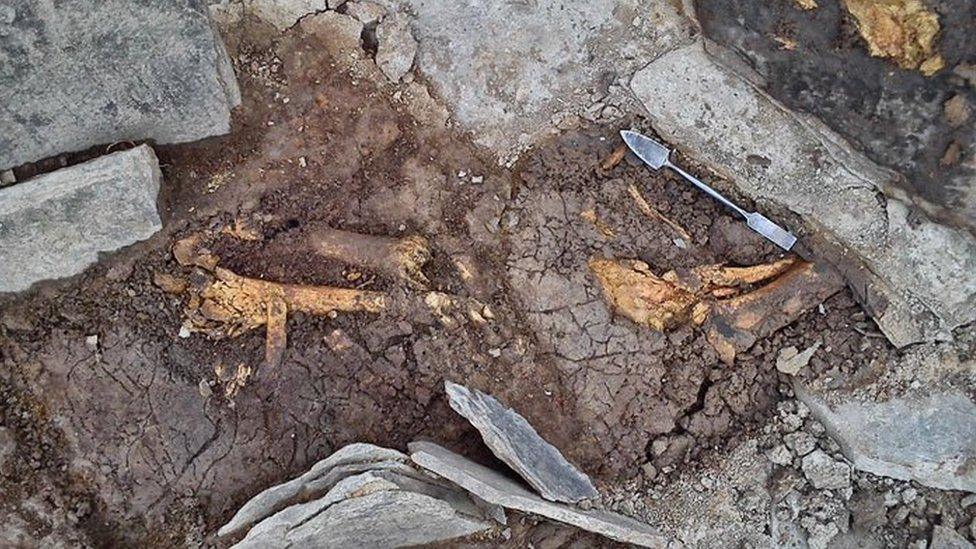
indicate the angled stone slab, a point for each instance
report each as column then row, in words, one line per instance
column 79, row 73
column 920, row 276
column 514, row 441
column 498, row 489
column 322, row 477
column 371, row 510
column 916, row 420
column 55, row 225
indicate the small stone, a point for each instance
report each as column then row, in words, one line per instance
column 780, row 455
column 184, row 332
column 366, row 12
column 801, row 442
column 396, row 47
column 909, row 495
column 649, row 471
column 659, row 446
column 957, row 111
column 824, row 472
column 7, row 177
column 968, row 501
column 477, row 179
column 91, row 342
column 947, row 538
column 790, row 362
column 495, row 352
column 204, row 387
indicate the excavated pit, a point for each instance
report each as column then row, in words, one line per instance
column 146, row 436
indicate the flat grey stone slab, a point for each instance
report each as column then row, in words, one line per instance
column 319, row 479
column 79, row 73
column 369, row 510
column 504, row 69
column 917, row 421
column 498, row 489
column 947, row 538
column 921, row 275
column 55, row 225
column 514, row 441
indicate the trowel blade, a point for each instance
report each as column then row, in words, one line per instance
column 651, row 152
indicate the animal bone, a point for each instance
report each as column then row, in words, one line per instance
column 666, row 301
column 396, row 257
column 233, row 304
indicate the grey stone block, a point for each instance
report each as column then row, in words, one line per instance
column 916, row 421
column 371, row 510
column 921, row 276
column 498, row 489
column 54, row 225
column 518, row 444
column 322, row 477
column 79, row 73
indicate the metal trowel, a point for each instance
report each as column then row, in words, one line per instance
column 657, row 156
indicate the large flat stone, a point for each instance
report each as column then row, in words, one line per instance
column 78, row 73
column 498, row 489
column 55, row 225
column 319, row 479
column 504, row 69
column 516, row 442
column 383, row 509
column 916, row 420
column 921, row 276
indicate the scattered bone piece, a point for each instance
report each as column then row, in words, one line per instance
column 615, row 158
column 169, row 283
column 734, row 324
column 192, row 251
column 722, row 281
column 651, row 212
column 903, row 30
column 242, row 229
column 397, row 257
column 598, row 224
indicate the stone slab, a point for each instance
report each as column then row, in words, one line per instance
column 56, row 224
column 915, row 420
column 79, row 73
column 498, row 489
column 514, row 441
column 921, row 275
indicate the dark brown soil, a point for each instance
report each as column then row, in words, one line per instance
column 134, row 435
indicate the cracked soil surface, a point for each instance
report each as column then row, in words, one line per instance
column 123, row 425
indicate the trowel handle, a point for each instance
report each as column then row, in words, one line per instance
column 710, row 191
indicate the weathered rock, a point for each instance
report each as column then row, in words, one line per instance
column 54, row 225
column 505, row 69
column 93, row 72
column 283, row 13
column 322, row 477
column 517, row 443
column 368, row 13
column 824, row 472
column 497, row 489
column 372, row 510
column 790, row 361
column 396, row 46
column 947, row 538
column 915, row 421
column 920, row 276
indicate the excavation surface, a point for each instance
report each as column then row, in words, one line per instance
column 128, row 423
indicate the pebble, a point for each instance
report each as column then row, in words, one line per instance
column 649, row 470
column 801, row 442
column 91, row 342
column 968, row 500
column 780, row 455
column 824, row 472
